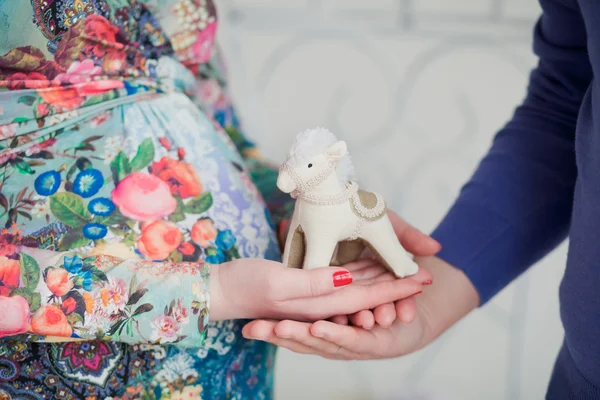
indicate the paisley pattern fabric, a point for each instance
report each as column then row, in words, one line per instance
column 124, row 174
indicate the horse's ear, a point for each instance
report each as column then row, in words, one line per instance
column 337, row 150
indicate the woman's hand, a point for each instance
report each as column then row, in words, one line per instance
column 251, row 288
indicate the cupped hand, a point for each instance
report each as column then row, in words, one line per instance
column 368, row 271
column 253, row 288
column 439, row 307
column 416, row 243
column 342, row 342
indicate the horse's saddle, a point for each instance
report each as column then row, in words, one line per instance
column 368, row 205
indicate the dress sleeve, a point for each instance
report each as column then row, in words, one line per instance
column 66, row 296
column 517, row 206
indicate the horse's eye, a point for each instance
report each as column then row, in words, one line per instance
column 309, row 165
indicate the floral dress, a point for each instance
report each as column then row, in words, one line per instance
column 123, row 176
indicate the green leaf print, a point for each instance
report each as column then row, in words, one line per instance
column 20, row 120
column 115, row 218
column 27, row 100
column 69, row 209
column 120, row 167
column 199, row 204
column 73, row 239
column 30, row 272
column 178, row 215
column 144, row 156
column 34, row 299
column 24, row 168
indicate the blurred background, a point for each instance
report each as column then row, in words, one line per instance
column 418, row 88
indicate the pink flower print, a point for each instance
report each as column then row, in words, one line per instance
column 7, row 131
column 144, row 197
column 211, row 93
column 114, row 295
column 165, row 329
column 203, row 46
column 181, row 313
column 14, row 315
column 79, row 72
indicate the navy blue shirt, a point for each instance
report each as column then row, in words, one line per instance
column 539, row 183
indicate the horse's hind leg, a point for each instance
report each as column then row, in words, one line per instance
column 380, row 237
column 348, row 251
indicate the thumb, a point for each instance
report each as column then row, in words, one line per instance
column 412, row 239
column 298, row 283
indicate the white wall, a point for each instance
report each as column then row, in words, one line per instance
column 417, row 88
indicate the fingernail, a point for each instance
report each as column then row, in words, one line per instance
column 429, row 282
column 284, row 336
column 419, row 292
column 318, row 334
column 342, row 278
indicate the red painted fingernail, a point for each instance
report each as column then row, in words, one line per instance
column 429, row 282
column 342, row 278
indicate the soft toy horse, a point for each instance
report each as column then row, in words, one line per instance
column 333, row 219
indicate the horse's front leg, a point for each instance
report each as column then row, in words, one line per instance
column 319, row 251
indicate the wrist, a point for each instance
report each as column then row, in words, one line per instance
column 451, row 297
column 217, row 298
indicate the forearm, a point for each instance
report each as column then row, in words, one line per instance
column 450, row 298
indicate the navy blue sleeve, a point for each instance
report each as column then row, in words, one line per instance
column 517, row 205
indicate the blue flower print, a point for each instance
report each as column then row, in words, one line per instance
column 47, row 183
column 214, row 256
column 225, row 239
column 88, row 182
column 101, row 206
column 87, row 281
column 73, row 264
column 220, row 116
column 94, row 231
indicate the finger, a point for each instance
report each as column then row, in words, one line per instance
column 301, row 331
column 422, row 276
column 362, row 319
column 354, row 298
column 371, row 271
column 297, row 336
column 259, row 329
column 349, row 338
column 406, row 310
column 354, row 266
column 292, row 283
column 385, row 277
column 413, row 240
column 385, row 314
column 264, row 330
column 340, row 319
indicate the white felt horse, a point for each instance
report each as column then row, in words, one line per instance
column 333, row 219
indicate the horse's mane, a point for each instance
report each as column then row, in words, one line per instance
column 315, row 141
